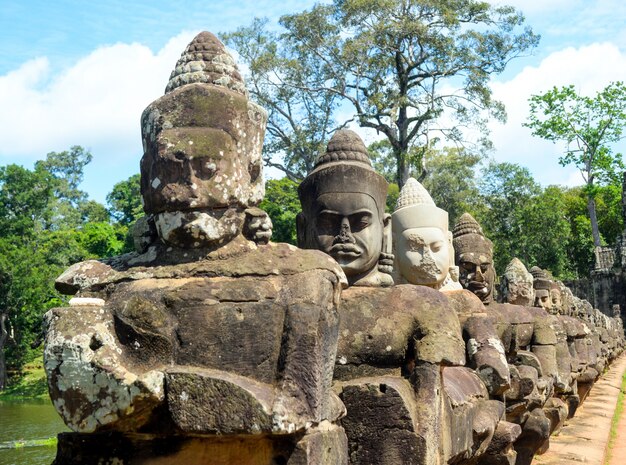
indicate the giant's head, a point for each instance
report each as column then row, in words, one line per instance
column 542, row 285
column 420, row 231
column 202, row 142
column 343, row 210
column 474, row 257
column 516, row 285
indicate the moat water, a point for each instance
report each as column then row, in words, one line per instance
column 24, row 427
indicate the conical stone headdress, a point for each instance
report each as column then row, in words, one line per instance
column 205, row 60
column 344, row 168
column 540, row 278
column 415, row 208
column 469, row 237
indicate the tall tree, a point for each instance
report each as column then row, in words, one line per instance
column 395, row 63
column 588, row 125
column 299, row 122
column 125, row 201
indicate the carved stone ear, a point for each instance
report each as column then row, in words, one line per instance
column 301, row 230
column 387, row 239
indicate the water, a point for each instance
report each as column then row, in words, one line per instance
column 25, row 421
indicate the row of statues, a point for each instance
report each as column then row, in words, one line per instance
column 376, row 341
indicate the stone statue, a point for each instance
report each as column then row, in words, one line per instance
column 400, row 346
column 423, row 247
column 209, row 341
column 343, row 210
column 516, row 285
column 542, row 286
column 474, row 257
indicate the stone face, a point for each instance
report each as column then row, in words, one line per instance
column 343, row 210
column 202, row 142
column 474, row 257
column 516, row 285
column 423, row 251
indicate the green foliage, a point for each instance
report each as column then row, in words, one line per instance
column 451, row 180
column 389, row 61
column 46, row 224
column 282, row 205
column 125, row 201
column 299, row 122
column 588, row 126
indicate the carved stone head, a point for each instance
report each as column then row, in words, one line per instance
column 516, row 285
column 474, row 257
column 202, row 142
column 542, row 285
column 421, row 237
column 343, row 210
column 555, row 297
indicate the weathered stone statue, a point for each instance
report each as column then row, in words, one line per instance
column 474, row 257
column 542, row 285
column 400, row 347
column 423, row 247
column 516, row 285
column 211, row 345
column 343, row 210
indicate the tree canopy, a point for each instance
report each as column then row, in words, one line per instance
column 588, row 126
column 398, row 65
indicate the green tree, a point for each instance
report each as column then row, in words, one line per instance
column 66, row 173
column 299, row 122
column 282, row 205
column 125, row 201
column 588, row 126
column 394, row 62
column 451, row 180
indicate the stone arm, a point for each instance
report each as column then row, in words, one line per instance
column 485, row 350
column 390, row 331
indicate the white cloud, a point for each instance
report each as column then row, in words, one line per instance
column 95, row 103
column 588, row 68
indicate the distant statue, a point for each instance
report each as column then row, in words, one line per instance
column 516, row 285
column 423, row 245
column 542, row 285
column 474, row 257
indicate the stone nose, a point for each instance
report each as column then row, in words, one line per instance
column 345, row 233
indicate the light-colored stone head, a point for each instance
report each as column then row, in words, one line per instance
column 474, row 257
column 542, row 285
column 202, row 142
column 420, row 230
column 516, row 285
column 343, row 210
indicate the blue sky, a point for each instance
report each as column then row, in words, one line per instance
column 80, row 73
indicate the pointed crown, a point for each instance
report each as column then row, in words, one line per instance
column 469, row 237
column 541, row 279
column 345, row 167
column 205, row 60
column 415, row 208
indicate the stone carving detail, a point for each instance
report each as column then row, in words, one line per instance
column 212, row 344
column 208, row 336
column 424, row 251
column 517, row 284
column 474, row 257
column 343, row 210
column 202, row 150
